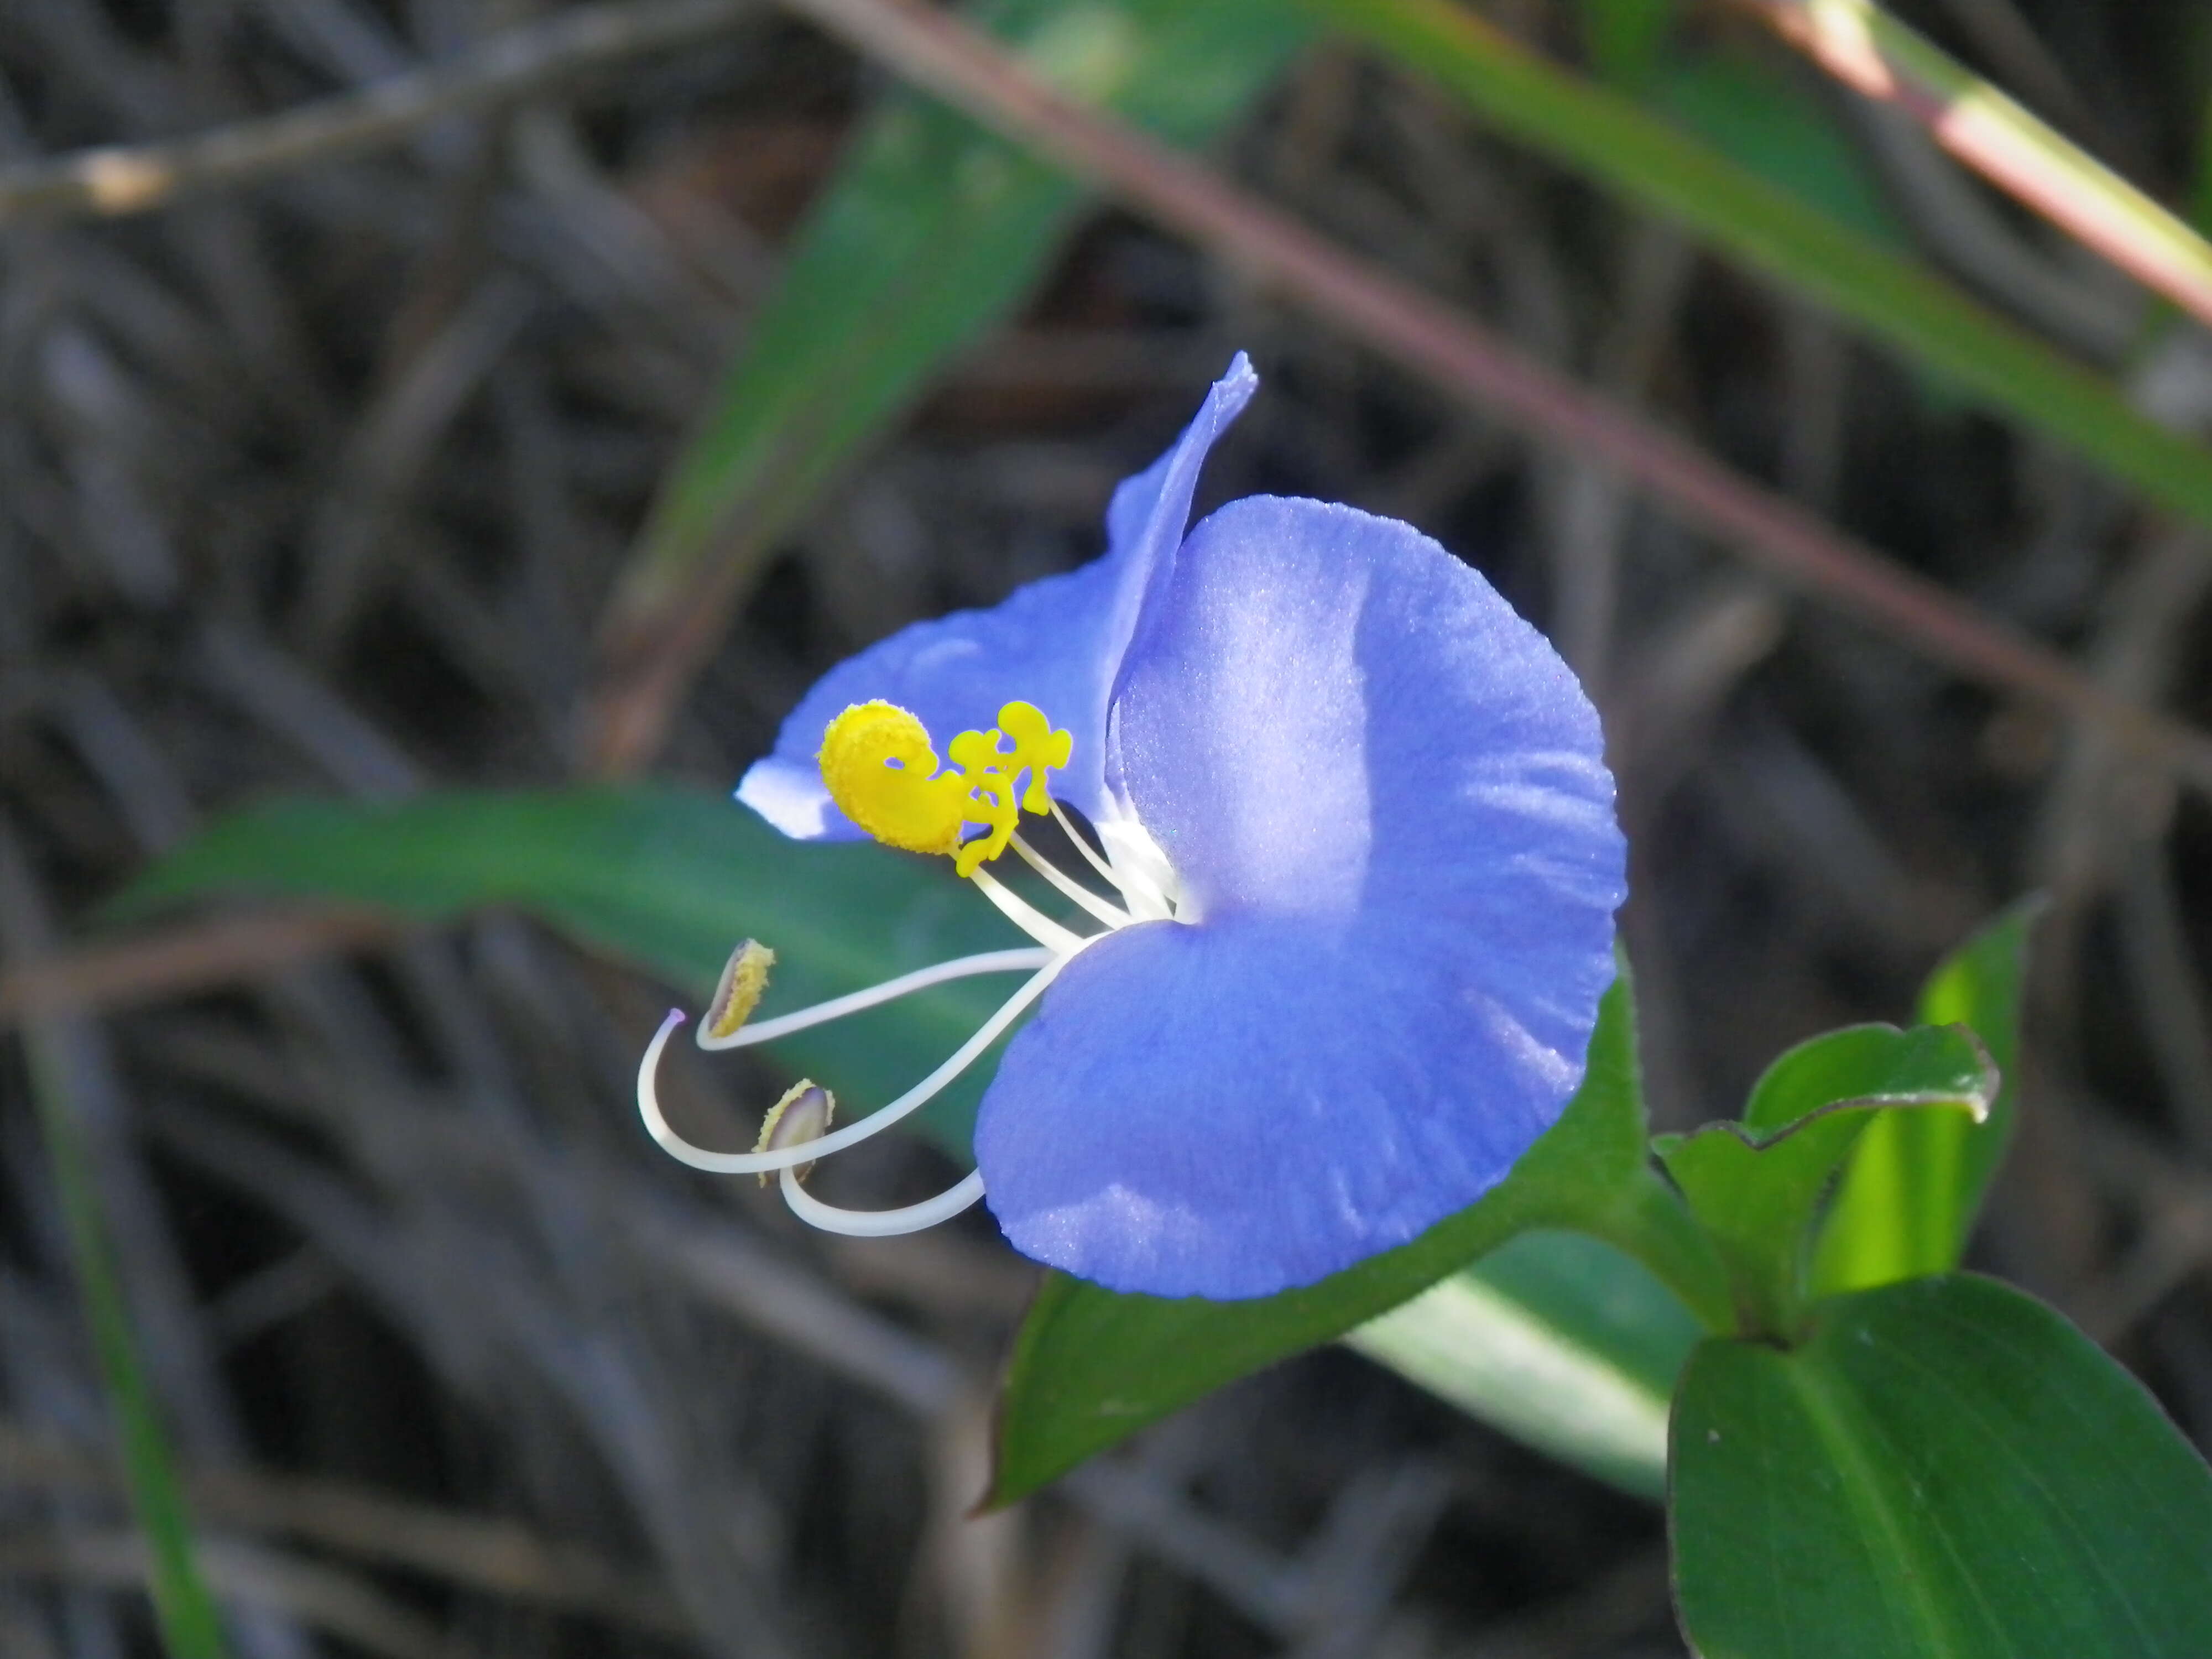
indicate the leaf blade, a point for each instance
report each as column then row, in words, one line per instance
column 1914, row 1184
column 931, row 233
column 1945, row 1467
column 1561, row 1342
column 1757, row 1185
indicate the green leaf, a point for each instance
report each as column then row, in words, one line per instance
column 666, row 879
column 1914, row 1182
column 1090, row 1367
column 184, row 1611
column 1626, row 40
column 931, row 233
column 1768, row 124
column 1933, row 322
column 1757, row 1185
column 1945, row 1468
column 1560, row 1341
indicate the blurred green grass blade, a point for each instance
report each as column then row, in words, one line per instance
column 1626, row 40
column 663, row 878
column 931, row 233
column 1862, row 45
column 1763, row 122
column 1090, row 1367
column 182, row 1607
column 1738, row 102
column 1945, row 1468
column 1559, row 1339
column 1933, row 323
column 1914, row 1183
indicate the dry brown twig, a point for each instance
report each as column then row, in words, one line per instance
column 120, row 178
column 186, row 957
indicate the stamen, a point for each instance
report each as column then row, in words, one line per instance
column 1083, row 846
column 1026, row 916
column 656, row 1124
column 1082, row 896
column 990, row 961
column 881, row 1223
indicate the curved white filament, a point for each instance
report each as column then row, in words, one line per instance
column 1083, row 846
column 880, row 1224
column 1026, row 916
column 1082, row 896
column 767, row 1030
column 648, row 1095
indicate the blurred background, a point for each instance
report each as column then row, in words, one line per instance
column 650, row 359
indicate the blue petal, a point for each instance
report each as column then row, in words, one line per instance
column 1386, row 797
column 1057, row 643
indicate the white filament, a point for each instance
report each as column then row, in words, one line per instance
column 1075, row 890
column 805, row 1151
column 767, row 1030
column 1083, row 846
column 1142, row 872
column 1026, row 916
column 881, row 1223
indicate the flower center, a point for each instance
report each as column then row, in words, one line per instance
column 882, row 770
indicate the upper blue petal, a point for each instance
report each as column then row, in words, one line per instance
column 1386, row 799
column 1057, row 643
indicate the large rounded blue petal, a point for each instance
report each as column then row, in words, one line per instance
column 1233, row 1110
column 1057, row 643
column 1386, row 799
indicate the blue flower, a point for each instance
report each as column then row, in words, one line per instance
column 1359, row 837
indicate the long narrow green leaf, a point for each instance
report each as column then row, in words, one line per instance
column 931, row 233
column 1560, row 1341
column 1931, row 321
column 182, row 1607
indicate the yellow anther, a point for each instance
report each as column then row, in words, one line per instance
column 879, row 767
column 745, row 977
column 882, row 772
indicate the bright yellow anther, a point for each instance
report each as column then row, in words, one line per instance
column 882, row 772
column 879, row 767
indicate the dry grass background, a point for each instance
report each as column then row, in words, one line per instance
column 319, row 486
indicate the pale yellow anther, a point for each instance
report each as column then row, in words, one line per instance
column 745, row 977
column 881, row 770
column 803, row 1114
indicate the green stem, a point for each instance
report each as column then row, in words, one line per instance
column 1650, row 1223
column 186, row 1611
